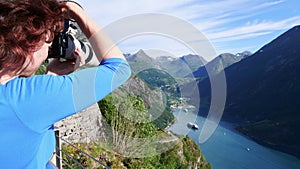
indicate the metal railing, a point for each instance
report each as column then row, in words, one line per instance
column 60, row 162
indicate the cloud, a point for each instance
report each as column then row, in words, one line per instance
column 227, row 12
column 109, row 11
column 205, row 15
column 220, row 20
column 267, row 5
column 254, row 29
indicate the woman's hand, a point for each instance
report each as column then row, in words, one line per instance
column 56, row 67
column 71, row 9
column 103, row 46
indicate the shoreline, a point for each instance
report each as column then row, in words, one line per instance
column 232, row 127
column 282, row 149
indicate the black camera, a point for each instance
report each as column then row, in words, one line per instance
column 64, row 43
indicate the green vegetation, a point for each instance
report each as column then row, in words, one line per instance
column 42, row 69
column 183, row 155
column 127, row 115
column 165, row 119
column 159, row 79
column 128, row 119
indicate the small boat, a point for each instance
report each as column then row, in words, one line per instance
column 192, row 125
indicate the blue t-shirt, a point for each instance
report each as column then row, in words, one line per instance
column 30, row 106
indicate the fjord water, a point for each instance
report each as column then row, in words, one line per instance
column 227, row 149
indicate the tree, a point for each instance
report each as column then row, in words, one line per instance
column 130, row 124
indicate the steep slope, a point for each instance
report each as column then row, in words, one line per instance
column 266, row 84
column 263, row 93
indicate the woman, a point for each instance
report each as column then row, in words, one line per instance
column 30, row 105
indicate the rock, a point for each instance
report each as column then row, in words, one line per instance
column 84, row 127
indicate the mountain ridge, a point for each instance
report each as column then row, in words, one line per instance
column 218, row 64
column 262, row 94
column 177, row 67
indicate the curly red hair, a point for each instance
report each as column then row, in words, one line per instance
column 23, row 28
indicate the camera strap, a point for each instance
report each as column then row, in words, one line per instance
column 73, row 2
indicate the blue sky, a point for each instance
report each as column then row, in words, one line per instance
column 230, row 25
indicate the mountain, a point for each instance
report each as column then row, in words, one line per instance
column 141, row 61
column 219, row 63
column 182, row 66
column 263, row 94
column 193, row 61
column 176, row 67
column 266, row 85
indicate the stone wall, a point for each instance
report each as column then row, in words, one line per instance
column 84, row 127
